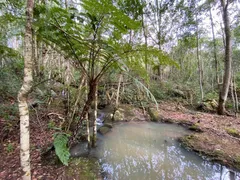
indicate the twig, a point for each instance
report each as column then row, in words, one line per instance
column 59, row 115
column 39, row 122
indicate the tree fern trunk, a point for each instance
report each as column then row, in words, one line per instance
column 23, row 95
column 91, row 95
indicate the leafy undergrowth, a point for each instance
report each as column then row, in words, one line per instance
column 42, row 134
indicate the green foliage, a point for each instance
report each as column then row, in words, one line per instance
column 134, row 8
column 9, row 111
column 142, row 87
column 10, row 79
column 61, row 149
column 51, row 124
column 211, row 95
column 10, row 148
column 161, row 90
column 237, row 33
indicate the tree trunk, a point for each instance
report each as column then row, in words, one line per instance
column 75, row 106
column 87, row 120
column 215, row 49
column 23, row 95
column 118, row 90
column 94, row 139
column 144, row 29
column 91, row 95
column 228, row 60
column 159, row 36
column 233, row 96
column 200, row 67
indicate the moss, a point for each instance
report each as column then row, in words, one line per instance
column 233, row 132
column 195, row 127
column 237, row 162
column 187, row 141
column 218, row 153
column 154, row 114
column 83, row 168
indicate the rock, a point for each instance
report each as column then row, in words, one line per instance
column 108, row 118
column 209, row 105
column 154, row 114
column 118, row 116
column 108, row 125
column 79, row 150
column 104, row 130
column 177, row 93
column 195, row 127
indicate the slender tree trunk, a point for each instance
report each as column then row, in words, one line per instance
column 159, row 20
column 144, row 29
column 118, row 90
column 200, row 70
column 94, row 139
column 215, row 49
column 23, row 95
column 35, row 56
column 233, row 97
column 66, row 4
column 87, row 120
column 130, row 37
column 75, row 107
column 228, row 60
column 234, row 94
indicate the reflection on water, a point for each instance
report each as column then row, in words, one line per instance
column 150, row 151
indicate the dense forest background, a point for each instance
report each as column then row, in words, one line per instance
column 81, row 56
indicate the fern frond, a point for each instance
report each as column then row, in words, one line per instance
column 61, row 149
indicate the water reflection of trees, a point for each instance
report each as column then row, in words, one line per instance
column 142, row 152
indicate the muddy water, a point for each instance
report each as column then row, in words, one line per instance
column 138, row 151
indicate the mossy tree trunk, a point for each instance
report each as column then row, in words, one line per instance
column 23, row 95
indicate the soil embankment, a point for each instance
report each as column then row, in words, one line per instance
column 217, row 137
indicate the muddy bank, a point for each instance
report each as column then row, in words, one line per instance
column 216, row 137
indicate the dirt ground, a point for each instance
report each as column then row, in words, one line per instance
column 41, row 137
column 217, row 137
column 43, row 167
column 212, row 139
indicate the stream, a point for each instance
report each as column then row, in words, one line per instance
column 139, row 151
